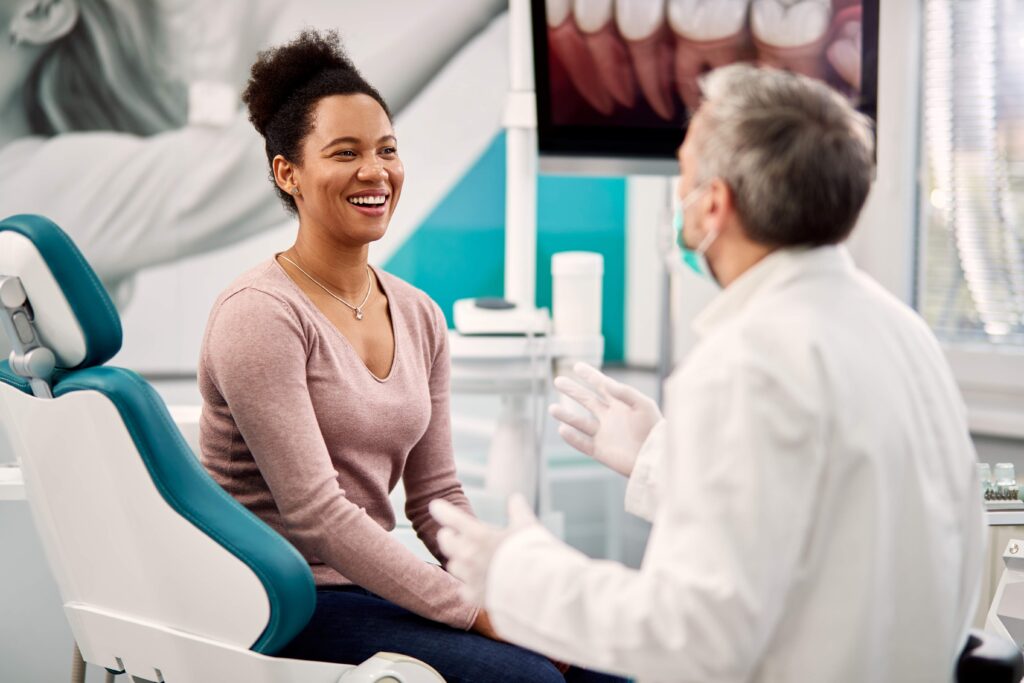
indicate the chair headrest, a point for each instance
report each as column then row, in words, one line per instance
column 73, row 313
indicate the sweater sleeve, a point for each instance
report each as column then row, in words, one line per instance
column 256, row 352
column 430, row 468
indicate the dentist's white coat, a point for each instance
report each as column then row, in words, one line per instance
column 812, row 488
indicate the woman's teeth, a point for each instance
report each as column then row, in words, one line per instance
column 373, row 200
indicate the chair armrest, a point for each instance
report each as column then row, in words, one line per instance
column 387, row 667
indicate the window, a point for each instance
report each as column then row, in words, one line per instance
column 971, row 253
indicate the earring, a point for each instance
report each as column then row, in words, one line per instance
column 294, row 191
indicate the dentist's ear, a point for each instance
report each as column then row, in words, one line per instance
column 720, row 205
column 40, row 22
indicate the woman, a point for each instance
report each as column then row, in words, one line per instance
column 324, row 380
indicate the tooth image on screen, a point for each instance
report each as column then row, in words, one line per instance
column 595, row 19
column 570, row 49
column 792, row 34
column 846, row 44
column 619, row 79
column 642, row 24
column 708, row 34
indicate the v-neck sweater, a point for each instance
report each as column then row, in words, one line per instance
column 296, row 427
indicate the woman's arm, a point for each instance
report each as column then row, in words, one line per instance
column 256, row 352
column 430, row 469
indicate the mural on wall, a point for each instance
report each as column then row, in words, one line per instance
column 121, row 119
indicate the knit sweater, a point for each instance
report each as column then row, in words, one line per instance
column 296, row 427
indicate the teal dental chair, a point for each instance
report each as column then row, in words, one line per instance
column 163, row 575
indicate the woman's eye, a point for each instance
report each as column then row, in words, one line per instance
column 344, row 153
column 388, row 151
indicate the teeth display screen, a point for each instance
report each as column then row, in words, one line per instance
column 619, row 77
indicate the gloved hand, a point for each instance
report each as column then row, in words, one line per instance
column 619, row 421
column 470, row 544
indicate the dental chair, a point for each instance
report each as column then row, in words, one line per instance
column 163, row 575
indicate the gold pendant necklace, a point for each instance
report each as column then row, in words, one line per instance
column 356, row 310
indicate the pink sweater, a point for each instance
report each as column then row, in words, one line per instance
column 297, row 428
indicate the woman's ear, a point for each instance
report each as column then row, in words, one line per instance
column 284, row 174
column 39, row 22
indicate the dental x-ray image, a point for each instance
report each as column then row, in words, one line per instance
column 620, row 76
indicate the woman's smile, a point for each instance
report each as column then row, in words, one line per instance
column 370, row 202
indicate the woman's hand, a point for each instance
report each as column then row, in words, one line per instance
column 482, row 625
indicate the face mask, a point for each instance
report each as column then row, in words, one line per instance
column 695, row 259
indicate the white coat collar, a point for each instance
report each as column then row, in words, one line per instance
column 777, row 267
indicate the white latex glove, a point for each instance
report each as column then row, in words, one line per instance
column 619, row 419
column 470, row 544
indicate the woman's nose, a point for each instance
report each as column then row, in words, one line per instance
column 375, row 171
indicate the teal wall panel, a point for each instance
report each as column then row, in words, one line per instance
column 459, row 250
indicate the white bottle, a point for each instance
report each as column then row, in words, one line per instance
column 576, row 293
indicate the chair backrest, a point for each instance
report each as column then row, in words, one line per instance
column 133, row 527
column 989, row 658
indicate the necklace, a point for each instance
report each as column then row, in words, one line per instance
column 357, row 310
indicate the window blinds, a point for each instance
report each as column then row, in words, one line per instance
column 971, row 257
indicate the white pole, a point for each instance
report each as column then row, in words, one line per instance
column 521, row 162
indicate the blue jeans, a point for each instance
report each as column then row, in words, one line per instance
column 351, row 624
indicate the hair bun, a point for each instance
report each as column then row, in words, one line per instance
column 280, row 71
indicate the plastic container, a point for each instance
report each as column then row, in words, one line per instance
column 576, row 293
column 1004, row 475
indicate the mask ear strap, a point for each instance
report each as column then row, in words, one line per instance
column 705, row 243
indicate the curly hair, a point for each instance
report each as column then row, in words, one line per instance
column 285, row 84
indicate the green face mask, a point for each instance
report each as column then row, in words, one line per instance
column 693, row 258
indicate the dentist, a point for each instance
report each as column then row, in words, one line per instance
column 811, row 486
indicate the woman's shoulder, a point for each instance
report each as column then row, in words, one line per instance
column 263, row 290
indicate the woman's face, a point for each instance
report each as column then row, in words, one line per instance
column 351, row 177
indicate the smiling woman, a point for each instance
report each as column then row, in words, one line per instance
column 325, row 381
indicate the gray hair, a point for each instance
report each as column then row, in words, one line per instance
column 797, row 157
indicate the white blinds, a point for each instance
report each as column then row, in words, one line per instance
column 971, row 258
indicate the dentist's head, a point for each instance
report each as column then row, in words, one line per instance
column 771, row 160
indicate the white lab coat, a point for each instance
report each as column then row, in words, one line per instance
column 815, row 510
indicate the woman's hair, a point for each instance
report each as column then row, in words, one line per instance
column 797, row 156
column 285, row 85
column 107, row 73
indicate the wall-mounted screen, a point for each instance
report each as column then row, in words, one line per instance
column 618, row 78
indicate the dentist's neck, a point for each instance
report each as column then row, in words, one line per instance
column 733, row 254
